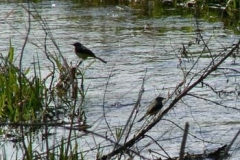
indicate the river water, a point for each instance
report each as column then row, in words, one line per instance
column 135, row 44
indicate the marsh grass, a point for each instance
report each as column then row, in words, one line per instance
column 35, row 113
column 32, row 89
column 31, row 106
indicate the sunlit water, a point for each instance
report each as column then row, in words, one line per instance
column 117, row 35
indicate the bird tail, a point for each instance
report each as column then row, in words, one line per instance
column 142, row 118
column 101, row 59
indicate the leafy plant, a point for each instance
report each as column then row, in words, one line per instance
column 19, row 102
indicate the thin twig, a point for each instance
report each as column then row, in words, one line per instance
column 184, row 140
column 230, row 145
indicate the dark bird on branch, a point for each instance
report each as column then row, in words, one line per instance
column 83, row 52
column 153, row 108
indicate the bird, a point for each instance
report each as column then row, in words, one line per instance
column 83, row 52
column 154, row 107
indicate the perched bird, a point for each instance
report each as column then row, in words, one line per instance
column 83, row 52
column 154, row 107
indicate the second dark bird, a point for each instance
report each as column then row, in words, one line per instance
column 83, row 52
column 154, row 107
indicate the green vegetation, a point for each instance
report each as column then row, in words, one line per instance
column 21, row 97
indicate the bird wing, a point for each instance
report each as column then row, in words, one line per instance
column 85, row 49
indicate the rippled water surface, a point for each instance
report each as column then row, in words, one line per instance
column 118, row 35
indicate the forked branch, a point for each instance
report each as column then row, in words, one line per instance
column 179, row 96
